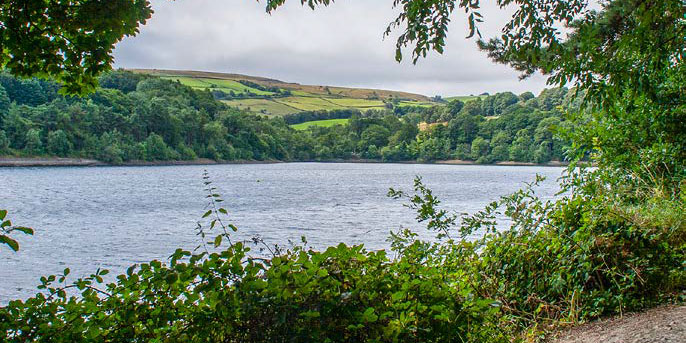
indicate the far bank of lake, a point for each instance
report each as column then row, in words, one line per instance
column 84, row 162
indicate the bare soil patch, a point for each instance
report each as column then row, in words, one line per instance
column 661, row 324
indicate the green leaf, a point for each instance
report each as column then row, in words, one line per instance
column 369, row 316
column 26, row 230
column 12, row 243
column 172, row 278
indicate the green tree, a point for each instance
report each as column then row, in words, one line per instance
column 480, row 148
column 520, row 150
column 122, row 80
column 70, row 41
column 4, row 143
column 374, row 135
column 543, row 153
column 156, row 149
column 526, row 96
column 464, row 127
column 503, row 101
column 4, row 103
column 500, row 146
column 111, row 153
column 58, row 143
column 473, row 108
column 500, row 152
column 551, row 98
column 545, row 129
column 434, row 148
column 34, row 143
column 454, row 107
column 405, row 134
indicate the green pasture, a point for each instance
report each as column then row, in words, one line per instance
column 359, row 103
column 219, row 84
column 323, row 123
column 416, row 103
column 299, row 101
column 265, row 106
column 309, row 103
column 464, row 98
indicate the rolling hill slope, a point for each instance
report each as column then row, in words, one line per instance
column 275, row 97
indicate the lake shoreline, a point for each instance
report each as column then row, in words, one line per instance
column 9, row 162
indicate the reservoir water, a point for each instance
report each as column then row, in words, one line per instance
column 111, row 217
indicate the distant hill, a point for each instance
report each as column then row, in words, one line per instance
column 275, row 97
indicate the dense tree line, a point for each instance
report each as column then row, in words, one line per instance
column 502, row 127
column 133, row 117
column 138, row 117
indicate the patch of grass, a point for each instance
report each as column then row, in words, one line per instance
column 323, row 123
column 310, row 103
column 218, row 84
column 358, row 103
column 416, row 103
column 264, row 106
column 189, row 81
column 303, row 93
column 464, row 98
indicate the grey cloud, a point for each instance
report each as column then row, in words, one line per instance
column 341, row 45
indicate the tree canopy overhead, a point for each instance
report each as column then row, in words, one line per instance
column 70, row 41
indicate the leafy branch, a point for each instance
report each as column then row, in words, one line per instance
column 6, row 228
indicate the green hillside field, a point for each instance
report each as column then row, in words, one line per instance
column 273, row 97
column 324, row 123
column 465, row 98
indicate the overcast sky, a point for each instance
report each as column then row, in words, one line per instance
column 340, row 45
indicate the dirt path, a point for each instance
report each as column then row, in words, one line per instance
column 663, row 324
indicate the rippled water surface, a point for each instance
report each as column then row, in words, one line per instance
column 111, row 217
